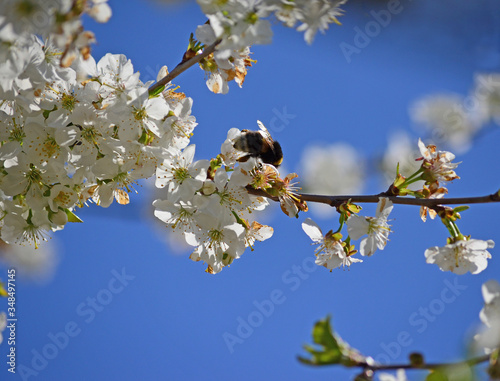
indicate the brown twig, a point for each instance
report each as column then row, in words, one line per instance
column 429, row 202
column 471, row 362
column 183, row 66
column 433, row 203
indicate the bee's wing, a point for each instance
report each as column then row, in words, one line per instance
column 265, row 134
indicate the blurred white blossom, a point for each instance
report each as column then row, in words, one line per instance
column 446, row 119
column 3, row 324
column 35, row 264
column 489, row 337
column 400, row 376
column 400, row 150
column 59, row 20
column 337, row 169
column 486, row 92
column 453, row 120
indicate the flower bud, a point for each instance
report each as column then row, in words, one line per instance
column 416, row 359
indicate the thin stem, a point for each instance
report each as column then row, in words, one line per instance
column 183, row 66
column 452, row 228
column 410, row 181
column 413, row 178
column 455, row 229
column 341, row 226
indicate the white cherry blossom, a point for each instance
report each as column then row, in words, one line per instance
column 330, row 252
column 220, row 246
column 180, row 217
column 180, row 176
column 437, row 165
column 376, row 228
column 461, row 256
column 317, row 15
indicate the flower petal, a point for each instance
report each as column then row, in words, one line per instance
column 312, row 229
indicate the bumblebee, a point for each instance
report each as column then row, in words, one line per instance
column 259, row 144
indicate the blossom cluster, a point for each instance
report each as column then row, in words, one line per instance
column 240, row 24
column 210, row 204
column 78, row 134
column 333, row 252
column 243, row 23
column 460, row 255
column 75, row 131
column 220, row 72
column 436, row 168
column 57, row 20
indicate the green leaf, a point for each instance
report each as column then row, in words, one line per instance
column 456, row 372
column 72, row 217
column 322, row 334
column 332, row 349
column 461, row 208
column 436, row 375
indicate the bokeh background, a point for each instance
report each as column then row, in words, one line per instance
column 171, row 320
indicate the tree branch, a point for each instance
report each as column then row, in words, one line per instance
column 183, row 66
column 433, row 203
column 429, row 202
column 471, row 362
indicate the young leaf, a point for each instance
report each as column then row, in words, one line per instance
column 72, row 217
column 436, row 375
column 333, row 350
column 456, row 372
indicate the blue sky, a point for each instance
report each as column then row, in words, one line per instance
column 131, row 308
